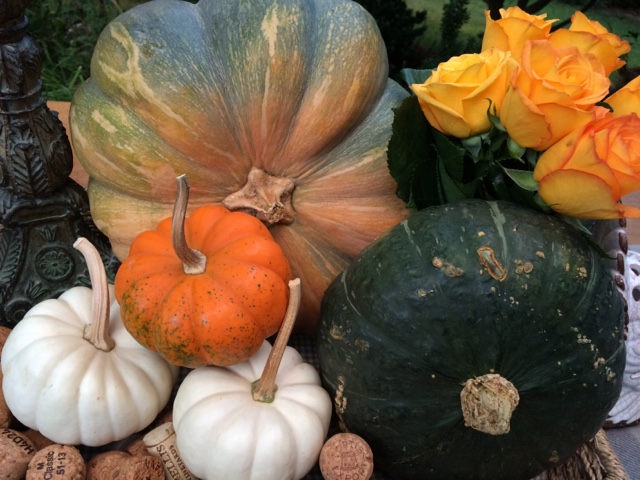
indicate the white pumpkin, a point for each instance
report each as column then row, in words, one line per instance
column 72, row 371
column 223, row 432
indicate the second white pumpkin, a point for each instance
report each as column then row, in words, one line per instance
column 223, row 433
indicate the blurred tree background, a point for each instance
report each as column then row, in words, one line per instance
column 417, row 33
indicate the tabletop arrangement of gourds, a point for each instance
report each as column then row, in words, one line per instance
column 237, row 160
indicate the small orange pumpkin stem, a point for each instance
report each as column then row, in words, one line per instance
column 192, row 260
column 264, row 389
column 97, row 332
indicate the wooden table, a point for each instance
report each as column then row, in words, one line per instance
column 80, row 176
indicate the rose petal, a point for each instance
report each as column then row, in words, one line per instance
column 513, row 30
column 524, row 121
column 581, row 195
column 563, row 120
column 441, row 116
column 627, row 99
column 556, row 156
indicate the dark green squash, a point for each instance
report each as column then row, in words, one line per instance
column 457, row 292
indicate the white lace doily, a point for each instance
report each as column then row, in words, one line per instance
column 611, row 235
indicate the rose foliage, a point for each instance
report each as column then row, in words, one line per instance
column 528, row 119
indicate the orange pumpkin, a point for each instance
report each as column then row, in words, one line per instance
column 206, row 289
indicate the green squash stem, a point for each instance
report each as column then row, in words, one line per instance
column 97, row 332
column 264, row 389
column 488, row 401
column 193, row 261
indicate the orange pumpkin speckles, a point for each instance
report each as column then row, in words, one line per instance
column 219, row 316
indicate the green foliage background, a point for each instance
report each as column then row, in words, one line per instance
column 68, row 31
column 417, row 33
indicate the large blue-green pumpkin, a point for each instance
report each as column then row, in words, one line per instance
column 284, row 101
column 473, row 290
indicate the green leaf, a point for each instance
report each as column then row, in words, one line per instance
column 522, row 178
column 495, row 119
column 453, row 190
column 532, row 157
column 426, row 190
column 482, row 166
column 576, row 223
column 451, row 155
column 605, row 105
column 411, row 145
column 411, row 75
column 542, row 205
column 497, row 140
column 496, row 182
column 515, row 151
column 524, row 197
column 473, row 144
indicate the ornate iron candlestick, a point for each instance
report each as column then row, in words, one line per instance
column 42, row 210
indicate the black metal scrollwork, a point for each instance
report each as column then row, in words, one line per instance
column 42, row 210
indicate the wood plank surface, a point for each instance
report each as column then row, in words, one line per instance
column 80, row 176
column 633, row 224
column 62, row 108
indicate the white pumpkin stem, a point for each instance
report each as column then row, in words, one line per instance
column 264, row 389
column 193, row 261
column 97, row 332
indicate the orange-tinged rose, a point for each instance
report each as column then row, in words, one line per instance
column 627, row 99
column 456, row 97
column 513, row 30
column 586, row 173
column 553, row 92
column 590, row 36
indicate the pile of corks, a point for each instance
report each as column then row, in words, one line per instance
column 149, row 455
column 26, row 454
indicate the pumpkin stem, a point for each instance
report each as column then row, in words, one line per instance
column 97, row 332
column 264, row 196
column 264, row 389
column 192, row 260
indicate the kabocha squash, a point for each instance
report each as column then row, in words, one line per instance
column 263, row 419
column 476, row 340
column 203, row 290
column 279, row 108
column 74, row 374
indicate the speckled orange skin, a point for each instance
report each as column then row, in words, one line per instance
column 219, row 317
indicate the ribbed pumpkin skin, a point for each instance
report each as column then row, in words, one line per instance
column 297, row 88
column 399, row 337
column 218, row 317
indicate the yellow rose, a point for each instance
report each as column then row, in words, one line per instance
column 456, row 97
column 627, row 99
column 586, row 173
column 590, row 36
column 553, row 92
column 513, row 30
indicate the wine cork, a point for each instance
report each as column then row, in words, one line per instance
column 16, row 451
column 161, row 442
column 57, row 462
column 120, row 465
column 4, row 333
column 6, row 417
column 38, row 440
column 136, row 447
column 346, row 455
column 5, row 414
